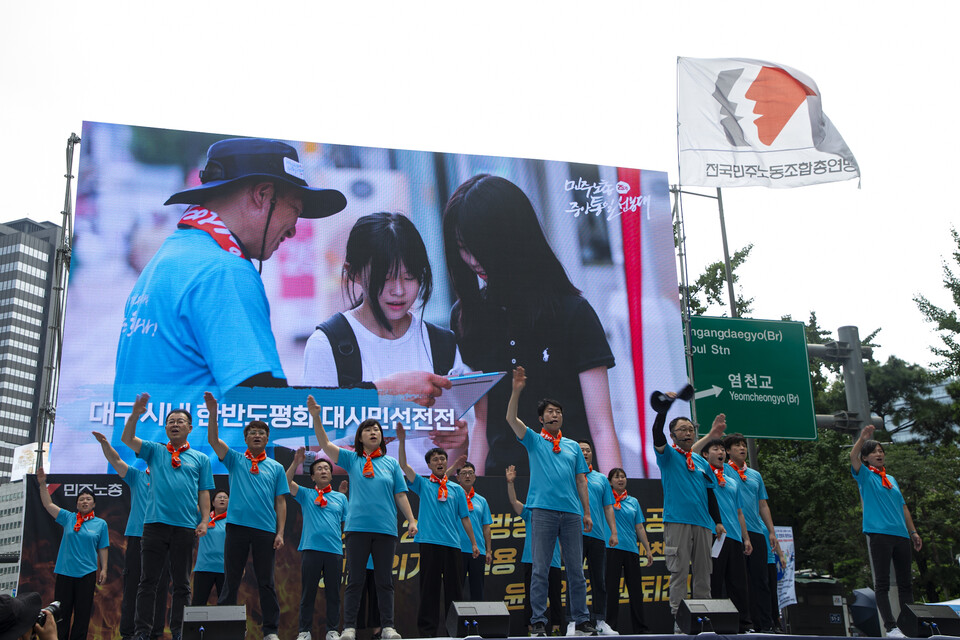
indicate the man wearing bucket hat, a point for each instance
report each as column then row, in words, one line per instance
column 18, row 618
column 198, row 315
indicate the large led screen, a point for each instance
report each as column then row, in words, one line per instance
column 563, row 268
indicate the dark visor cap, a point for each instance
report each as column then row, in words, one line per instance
column 240, row 158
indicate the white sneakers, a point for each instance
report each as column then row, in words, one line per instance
column 271, row 636
column 349, row 634
column 896, row 633
column 387, row 633
column 304, row 635
column 571, row 628
column 604, row 629
column 333, row 634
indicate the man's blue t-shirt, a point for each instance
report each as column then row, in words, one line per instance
column 685, row 491
column 372, row 500
column 139, row 483
column 601, row 495
column 479, row 516
column 252, row 495
column 210, row 549
column 751, row 493
column 553, row 476
column 322, row 526
column 628, row 516
column 78, row 549
column 729, row 500
column 526, row 556
column 173, row 491
column 197, row 316
column 439, row 522
column 882, row 508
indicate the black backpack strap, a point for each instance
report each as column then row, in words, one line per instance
column 346, row 352
column 443, row 347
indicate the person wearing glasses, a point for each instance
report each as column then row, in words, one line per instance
column 181, row 481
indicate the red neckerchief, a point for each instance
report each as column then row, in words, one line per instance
column 884, row 480
column 549, row 438
column 175, row 453
column 590, row 466
column 719, row 473
column 321, row 500
column 470, row 495
column 214, row 516
column 442, row 490
column 196, row 217
column 255, row 461
column 741, row 471
column 618, row 497
column 687, row 454
column 368, row 465
column 81, row 519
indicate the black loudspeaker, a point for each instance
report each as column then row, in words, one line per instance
column 925, row 620
column 215, row 623
column 718, row 616
column 485, row 619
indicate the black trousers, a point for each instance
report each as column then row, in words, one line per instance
column 884, row 548
column 369, row 611
column 554, row 596
column 439, row 567
column 595, row 553
column 313, row 566
column 620, row 562
column 163, row 545
column 473, row 574
column 729, row 579
column 774, row 595
column 203, row 584
column 358, row 546
column 240, row 543
column 759, row 579
column 131, row 580
column 76, row 600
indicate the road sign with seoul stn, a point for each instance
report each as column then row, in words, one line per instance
column 756, row 372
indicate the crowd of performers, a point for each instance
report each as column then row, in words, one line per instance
column 572, row 513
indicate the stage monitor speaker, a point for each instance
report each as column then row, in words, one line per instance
column 484, row 619
column 719, row 616
column 228, row 622
column 925, row 620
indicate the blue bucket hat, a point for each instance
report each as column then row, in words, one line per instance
column 239, row 158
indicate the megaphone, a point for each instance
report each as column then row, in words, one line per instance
column 661, row 402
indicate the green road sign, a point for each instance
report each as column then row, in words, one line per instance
column 755, row 372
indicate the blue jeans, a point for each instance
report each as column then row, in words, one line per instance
column 547, row 527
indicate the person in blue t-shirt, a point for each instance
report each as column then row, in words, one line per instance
column 255, row 524
column 481, row 519
column 559, row 501
column 729, row 577
column 200, row 293
column 595, row 541
column 623, row 556
column 84, row 545
column 208, row 569
column 377, row 490
column 760, row 531
column 180, row 487
column 690, row 510
column 321, row 547
column 887, row 523
column 443, row 513
column 139, row 483
column 555, row 576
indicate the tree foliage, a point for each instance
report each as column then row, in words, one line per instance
column 946, row 320
column 710, row 288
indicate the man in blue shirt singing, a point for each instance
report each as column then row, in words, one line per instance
column 559, row 500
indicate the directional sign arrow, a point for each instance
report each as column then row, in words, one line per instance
column 713, row 391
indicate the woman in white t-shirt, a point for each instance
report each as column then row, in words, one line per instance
column 386, row 273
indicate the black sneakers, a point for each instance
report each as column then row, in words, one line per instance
column 538, row 629
column 586, row 629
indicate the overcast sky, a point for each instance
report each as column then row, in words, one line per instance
column 587, row 82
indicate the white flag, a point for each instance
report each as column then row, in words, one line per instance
column 745, row 123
